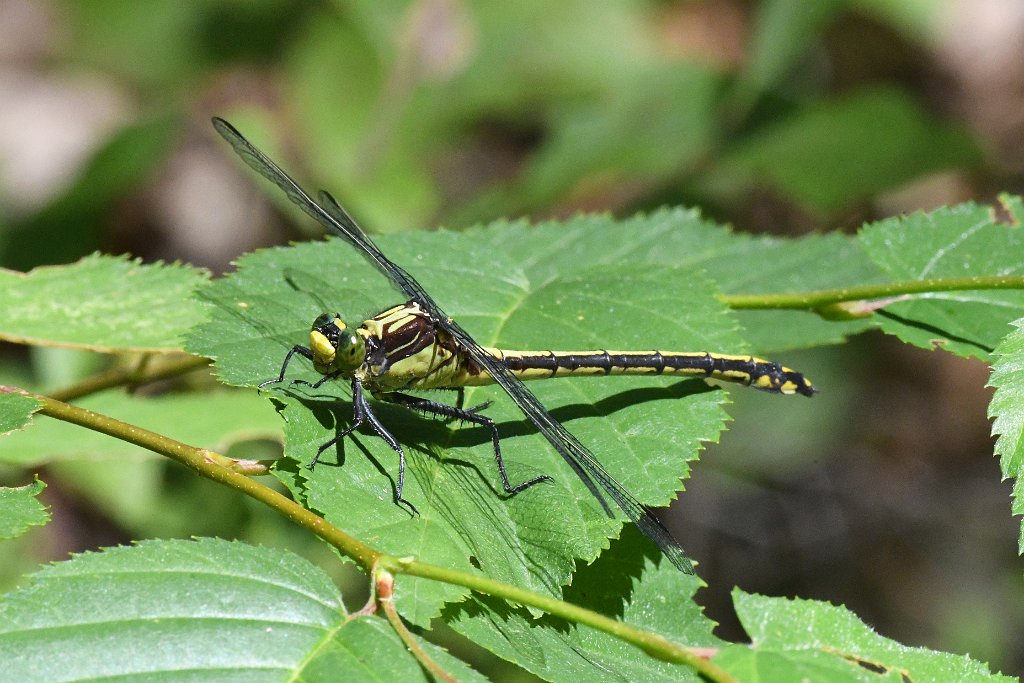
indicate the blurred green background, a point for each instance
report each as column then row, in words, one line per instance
column 782, row 117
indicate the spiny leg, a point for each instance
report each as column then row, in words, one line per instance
column 361, row 413
column 297, row 349
column 302, row 351
column 317, row 384
column 470, row 415
column 460, row 392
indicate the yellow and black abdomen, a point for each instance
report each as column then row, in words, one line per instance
column 755, row 372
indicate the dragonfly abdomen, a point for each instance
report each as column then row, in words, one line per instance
column 756, row 372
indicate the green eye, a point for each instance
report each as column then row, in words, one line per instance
column 351, row 350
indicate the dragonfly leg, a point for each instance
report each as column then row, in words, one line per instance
column 297, row 349
column 480, row 407
column 319, row 382
column 361, row 413
column 460, row 392
column 471, row 415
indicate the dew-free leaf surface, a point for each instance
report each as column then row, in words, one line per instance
column 793, row 639
column 213, row 420
column 962, row 241
column 20, row 509
column 505, row 286
column 632, row 584
column 16, row 411
column 202, row 610
column 1007, row 412
column 102, row 303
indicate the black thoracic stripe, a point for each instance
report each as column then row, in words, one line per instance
column 402, row 341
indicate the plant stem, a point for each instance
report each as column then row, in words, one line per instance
column 139, row 374
column 651, row 643
column 384, row 583
column 817, row 299
column 208, row 464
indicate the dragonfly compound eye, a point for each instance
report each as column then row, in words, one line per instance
column 323, row 320
column 351, row 351
column 335, row 346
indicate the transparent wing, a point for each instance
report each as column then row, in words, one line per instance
column 578, row 456
column 331, row 215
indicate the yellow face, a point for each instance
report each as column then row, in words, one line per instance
column 324, row 352
column 336, row 348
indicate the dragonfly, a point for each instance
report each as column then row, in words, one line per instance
column 416, row 346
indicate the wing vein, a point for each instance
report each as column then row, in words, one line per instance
column 594, row 476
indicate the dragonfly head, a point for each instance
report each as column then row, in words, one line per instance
column 336, row 347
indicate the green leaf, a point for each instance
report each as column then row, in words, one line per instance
column 106, row 35
column 102, row 303
column 743, row 264
column 337, row 67
column 738, row 263
column 1007, row 412
column 808, row 640
column 914, row 19
column 631, row 584
column 213, row 420
column 205, row 610
column 16, row 411
column 875, row 139
column 370, row 138
column 21, row 509
column 128, row 483
column 549, row 68
column 784, row 31
column 962, row 241
column 643, row 430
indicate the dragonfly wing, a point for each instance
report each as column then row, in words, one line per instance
column 578, row 456
column 262, row 164
column 331, row 215
column 354, row 235
column 328, row 212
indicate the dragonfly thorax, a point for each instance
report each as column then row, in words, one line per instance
column 336, row 347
